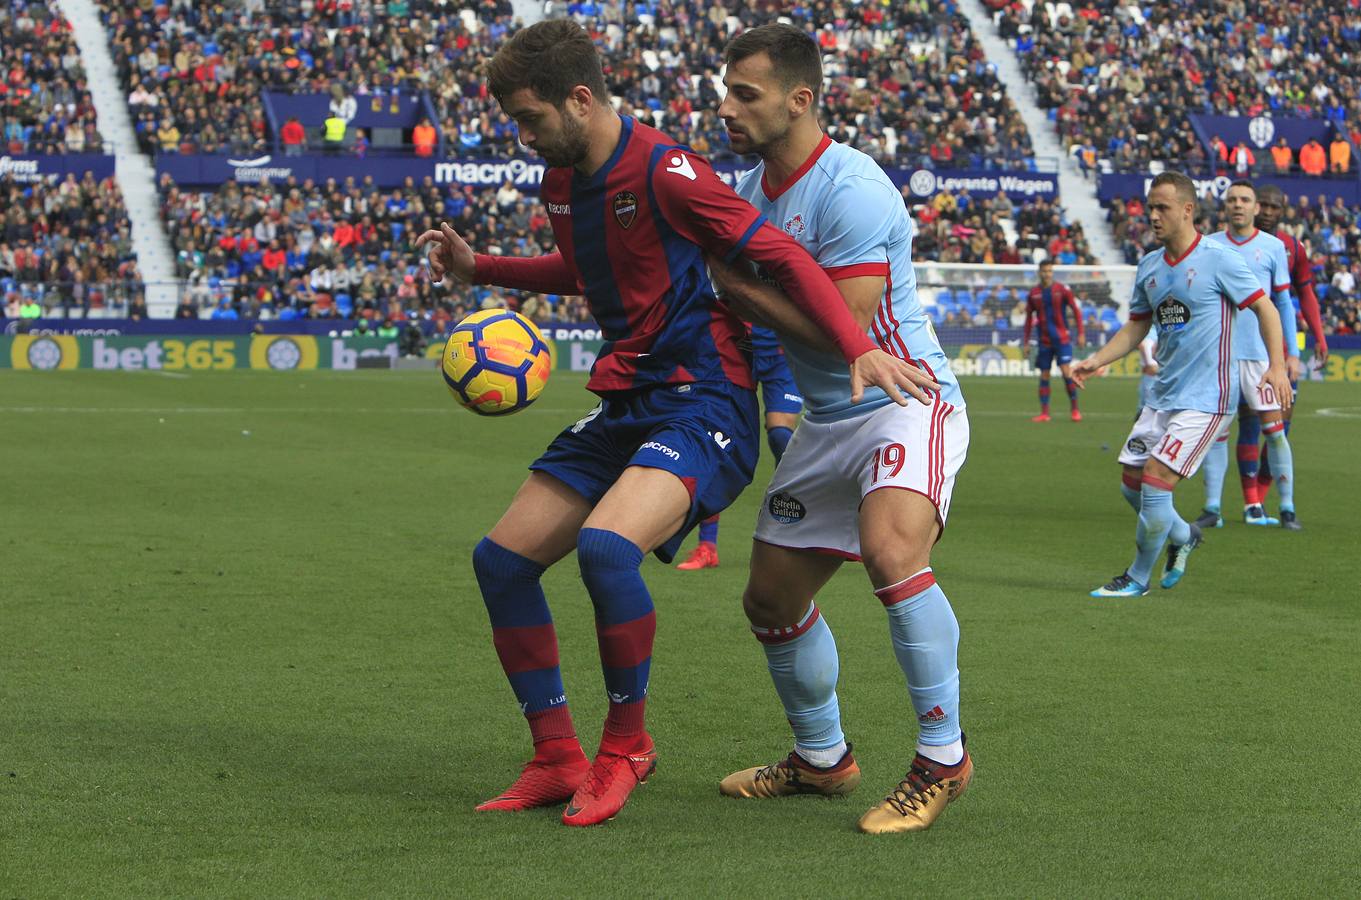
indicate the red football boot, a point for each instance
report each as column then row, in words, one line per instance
column 1042, row 417
column 607, row 787
column 704, row 556
column 1076, row 415
column 545, row 781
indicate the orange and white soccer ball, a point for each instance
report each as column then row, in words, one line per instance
column 496, row 362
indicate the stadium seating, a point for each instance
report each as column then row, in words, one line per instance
column 67, row 246
column 44, row 105
column 1120, row 79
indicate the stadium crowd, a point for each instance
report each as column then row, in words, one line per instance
column 44, row 105
column 1121, row 78
column 345, row 250
column 68, row 246
column 907, row 83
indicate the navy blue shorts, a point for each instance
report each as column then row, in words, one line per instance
column 1044, row 359
column 707, row 435
column 779, row 393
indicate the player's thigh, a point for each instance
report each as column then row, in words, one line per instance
column 782, row 582
column 1066, row 369
column 646, row 506
column 897, row 531
column 911, row 456
column 542, row 520
column 782, row 420
column 1044, row 361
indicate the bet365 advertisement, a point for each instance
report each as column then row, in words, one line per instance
column 285, row 352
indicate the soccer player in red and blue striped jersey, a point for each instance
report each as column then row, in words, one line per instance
column 675, row 436
column 1271, row 206
column 1047, row 309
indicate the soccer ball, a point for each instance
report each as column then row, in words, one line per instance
column 496, row 362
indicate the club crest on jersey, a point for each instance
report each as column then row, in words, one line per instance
column 1172, row 315
column 625, row 208
column 1190, row 277
column 794, row 227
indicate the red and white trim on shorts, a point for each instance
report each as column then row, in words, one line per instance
column 821, row 551
column 1207, row 440
column 786, row 633
column 909, row 587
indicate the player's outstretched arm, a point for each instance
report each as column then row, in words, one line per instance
column 1310, row 310
column 1276, row 375
column 770, row 306
column 1120, row 344
column 548, row 274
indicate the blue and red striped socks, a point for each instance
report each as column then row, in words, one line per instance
column 1071, row 385
column 526, row 642
column 1249, row 430
column 708, row 530
column 625, row 623
column 1044, row 395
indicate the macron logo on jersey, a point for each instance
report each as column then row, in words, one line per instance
column 679, row 165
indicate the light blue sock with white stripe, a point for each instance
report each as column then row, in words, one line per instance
column 1158, row 523
column 1216, row 466
column 1282, row 465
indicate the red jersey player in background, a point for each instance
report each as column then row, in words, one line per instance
column 1047, row 308
column 1271, row 203
column 675, row 437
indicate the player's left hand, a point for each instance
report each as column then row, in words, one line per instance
column 890, row 373
column 1082, row 370
column 1278, row 380
column 1292, row 368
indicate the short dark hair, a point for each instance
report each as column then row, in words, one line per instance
column 1047, row 261
column 1245, row 183
column 794, row 56
column 1186, row 188
column 550, row 58
column 1271, row 193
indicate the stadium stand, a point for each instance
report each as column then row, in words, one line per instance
column 67, row 246
column 44, row 105
column 1121, row 79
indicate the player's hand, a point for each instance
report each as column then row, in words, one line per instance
column 1321, row 350
column 1292, row 368
column 1151, row 369
column 890, row 373
column 1082, row 370
column 451, row 254
column 1278, row 380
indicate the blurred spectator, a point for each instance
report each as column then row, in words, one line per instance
column 45, row 107
column 1312, row 158
column 293, row 136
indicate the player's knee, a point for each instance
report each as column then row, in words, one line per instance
column 768, row 607
column 890, row 561
column 600, row 552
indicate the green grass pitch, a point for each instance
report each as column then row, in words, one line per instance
column 242, row 653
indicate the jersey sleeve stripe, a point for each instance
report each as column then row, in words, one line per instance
column 1280, row 287
column 1256, row 295
column 857, row 270
column 736, row 250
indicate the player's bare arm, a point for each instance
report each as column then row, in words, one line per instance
column 1121, row 343
column 772, row 307
column 1269, row 321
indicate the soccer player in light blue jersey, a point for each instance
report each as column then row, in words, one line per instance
column 1189, row 290
column 870, row 482
column 1259, row 411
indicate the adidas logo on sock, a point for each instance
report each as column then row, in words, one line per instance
column 934, row 714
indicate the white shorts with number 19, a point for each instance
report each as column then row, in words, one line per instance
column 813, row 502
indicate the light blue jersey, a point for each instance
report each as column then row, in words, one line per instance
column 1265, row 256
column 845, row 212
column 1191, row 301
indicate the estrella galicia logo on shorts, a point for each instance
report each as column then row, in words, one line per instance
column 1136, row 445
column 784, row 508
column 1172, row 315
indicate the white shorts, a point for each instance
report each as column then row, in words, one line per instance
column 1179, row 439
column 1257, row 399
column 813, row 502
